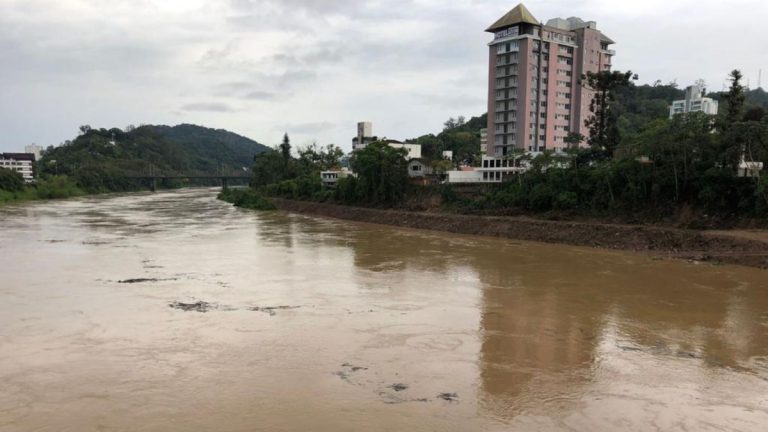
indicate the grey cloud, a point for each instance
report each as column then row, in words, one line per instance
column 449, row 99
column 307, row 128
column 209, row 107
column 261, row 95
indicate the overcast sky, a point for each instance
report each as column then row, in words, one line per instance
column 314, row 68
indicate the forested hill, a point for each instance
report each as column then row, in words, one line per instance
column 99, row 159
column 209, row 145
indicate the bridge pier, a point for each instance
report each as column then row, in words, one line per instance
column 224, row 183
column 153, row 184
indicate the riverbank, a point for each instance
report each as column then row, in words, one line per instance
column 715, row 247
column 59, row 187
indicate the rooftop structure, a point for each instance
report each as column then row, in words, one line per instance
column 364, row 135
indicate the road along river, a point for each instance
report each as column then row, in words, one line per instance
column 177, row 312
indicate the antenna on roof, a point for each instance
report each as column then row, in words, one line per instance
column 759, row 78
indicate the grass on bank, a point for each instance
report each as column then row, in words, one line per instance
column 56, row 187
column 247, row 198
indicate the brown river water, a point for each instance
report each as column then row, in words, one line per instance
column 176, row 312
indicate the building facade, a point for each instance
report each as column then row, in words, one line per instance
column 534, row 94
column 694, row 102
column 330, row 178
column 20, row 162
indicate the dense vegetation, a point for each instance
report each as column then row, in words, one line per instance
column 12, row 188
column 648, row 167
column 98, row 165
column 246, row 198
column 639, row 165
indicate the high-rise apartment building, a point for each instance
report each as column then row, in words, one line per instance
column 535, row 98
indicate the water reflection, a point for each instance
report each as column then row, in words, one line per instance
column 555, row 322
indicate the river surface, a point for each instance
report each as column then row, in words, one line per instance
column 176, row 312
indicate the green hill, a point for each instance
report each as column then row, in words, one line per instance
column 101, row 159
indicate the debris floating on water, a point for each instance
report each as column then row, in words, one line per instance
column 199, row 306
column 450, row 397
column 399, row 387
column 143, row 280
column 271, row 310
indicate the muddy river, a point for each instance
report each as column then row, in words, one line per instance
column 176, row 312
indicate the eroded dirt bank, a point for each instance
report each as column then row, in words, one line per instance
column 678, row 243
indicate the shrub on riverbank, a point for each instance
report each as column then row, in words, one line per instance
column 10, row 181
column 46, row 188
column 246, row 198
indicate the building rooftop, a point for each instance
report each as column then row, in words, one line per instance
column 520, row 14
column 18, row 156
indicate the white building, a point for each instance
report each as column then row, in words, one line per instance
column 419, row 168
column 694, row 102
column 19, row 162
column 749, row 169
column 495, row 169
column 469, row 176
column 491, row 170
column 414, row 150
column 34, row 149
column 330, row 179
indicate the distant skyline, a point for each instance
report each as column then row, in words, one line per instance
column 314, row 68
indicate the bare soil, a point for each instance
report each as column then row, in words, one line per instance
column 710, row 246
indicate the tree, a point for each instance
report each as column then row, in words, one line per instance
column 268, row 168
column 441, row 166
column 453, row 123
column 84, row 129
column 313, row 158
column 603, row 128
column 574, row 139
column 735, row 99
column 382, row 173
column 285, row 150
column 11, row 180
column 464, row 145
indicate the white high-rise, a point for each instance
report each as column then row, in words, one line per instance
column 694, row 102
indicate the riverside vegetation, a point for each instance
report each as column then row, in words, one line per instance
column 108, row 160
column 639, row 166
column 12, row 188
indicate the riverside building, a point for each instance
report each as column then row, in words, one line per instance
column 534, row 96
column 19, row 162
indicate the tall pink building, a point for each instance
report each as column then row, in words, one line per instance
column 534, row 98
